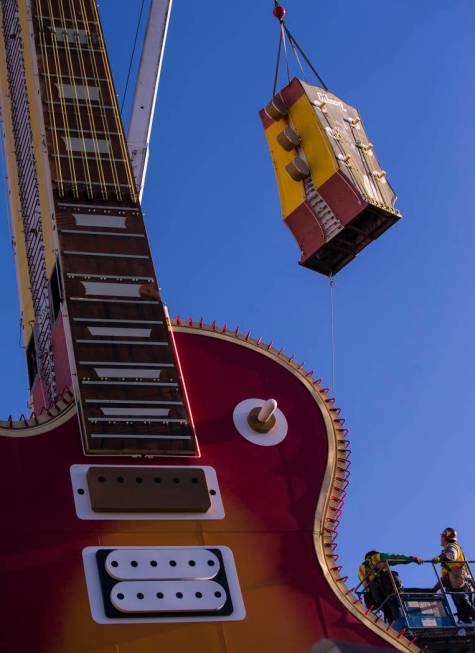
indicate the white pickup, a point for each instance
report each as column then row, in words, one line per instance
column 162, row 563
column 168, row 596
column 162, row 584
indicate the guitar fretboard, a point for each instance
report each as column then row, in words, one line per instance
column 125, row 368
column 88, row 149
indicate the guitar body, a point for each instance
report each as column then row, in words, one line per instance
column 276, row 501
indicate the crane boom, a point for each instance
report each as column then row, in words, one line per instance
column 143, row 106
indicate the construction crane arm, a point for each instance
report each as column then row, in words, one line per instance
column 146, row 88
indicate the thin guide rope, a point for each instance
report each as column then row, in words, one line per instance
column 332, row 333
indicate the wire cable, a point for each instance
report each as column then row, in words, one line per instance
column 296, row 55
column 307, row 60
column 277, row 65
column 132, row 56
column 332, row 333
column 282, row 27
column 279, row 13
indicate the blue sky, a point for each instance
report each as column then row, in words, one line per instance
column 404, row 309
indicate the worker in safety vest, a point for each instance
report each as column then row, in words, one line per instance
column 456, row 576
column 379, row 582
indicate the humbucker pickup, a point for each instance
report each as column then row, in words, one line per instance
column 139, row 585
column 138, row 489
column 146, row 492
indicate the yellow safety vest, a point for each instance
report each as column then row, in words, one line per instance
column 447, row 565
column 369, row 570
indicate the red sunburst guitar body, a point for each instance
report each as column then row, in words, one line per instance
column 277, row 500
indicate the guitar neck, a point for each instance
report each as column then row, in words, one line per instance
column 121, row 355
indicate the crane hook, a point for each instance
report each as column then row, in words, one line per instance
column 279, row 11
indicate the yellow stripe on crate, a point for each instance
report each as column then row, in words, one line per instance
column 315, row 143
column 291, row 192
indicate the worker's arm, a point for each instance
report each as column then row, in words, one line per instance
column 399, row 559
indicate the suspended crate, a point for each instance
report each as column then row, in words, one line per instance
column 334, row 195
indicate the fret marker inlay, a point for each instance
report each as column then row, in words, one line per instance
column 79, row 91
column 119, row 331
column 112, row 289
column 101, row 145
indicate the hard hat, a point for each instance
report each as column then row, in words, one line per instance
column 450, row 534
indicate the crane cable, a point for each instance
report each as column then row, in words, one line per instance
column 332, row 332
column 132, row 56
column 279, row 13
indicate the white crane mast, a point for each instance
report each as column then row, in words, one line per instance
column 143, row 106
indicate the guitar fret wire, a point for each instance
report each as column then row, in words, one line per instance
column 116, row 277
column 142, row 420
column 91, row 117
column 113, row 301
column 100, row 233
column 109, row 254
column 69, row 181
column 116, row 364
column 134, row 402
column 76, row 48
column 93, row 131
column 63, row 156
column 60, row 77
column 139, row 343
column 116, row 321
column 134, row 383
column 125, row 436
column 93, row 106
column 107, row 208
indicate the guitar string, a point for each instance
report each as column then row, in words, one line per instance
column 49, row 90
column 57, row 65
column 88, row 103
column 105, row 122
column 76, row 105
column 64, row 112
column 119, row 127
column 113, row 158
